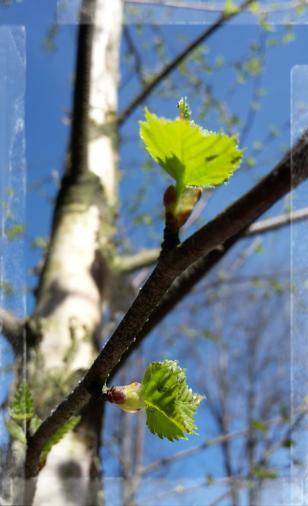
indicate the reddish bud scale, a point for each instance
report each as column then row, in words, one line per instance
column 170, row 197
column 178, row 210
column 116, row 395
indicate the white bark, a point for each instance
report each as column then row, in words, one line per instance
column 72, row 288
column 103, row 95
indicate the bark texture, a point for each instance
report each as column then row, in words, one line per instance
column 73, row 284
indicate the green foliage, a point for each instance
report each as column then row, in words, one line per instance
column 264, row 473
column 185, row 112
column 164, row 395
column 34, row 424
column 254, row 7
column 259, row 425
column 230, row 7
column 40, row 243
column 169, row 404
column 253, row 66
column 14, row 231
column 22, row 410
column 22, row 405
column 6, row 288
column 189, row 154
column 16, row 431
column 58, row 435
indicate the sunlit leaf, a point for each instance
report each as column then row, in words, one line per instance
column 170, row 405
column 191, row 155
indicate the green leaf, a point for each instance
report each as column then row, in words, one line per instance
column 16, row 431
column 14, row 231
column 191, row 155
column 230, row 7
column 170, row 405
column 254, row 7
column 259, row 425
column 58, row 435
column 185, row 112
column 264, row 473
column 34, row 424
column 253, row 66
column 22, row 405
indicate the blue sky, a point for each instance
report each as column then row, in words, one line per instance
column 47, row 102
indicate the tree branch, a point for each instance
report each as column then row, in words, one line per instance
column 134, row 51
column 277, row 222
column 146, row 258
column 217, row 7
column 139, row 99
column 231, row 222
column 12, row 329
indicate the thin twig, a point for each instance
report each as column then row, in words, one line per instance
column 12, row 328
column 134, row 51
column 146, row 258
column 140, row 98
column 217, row 7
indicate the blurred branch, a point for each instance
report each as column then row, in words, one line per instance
column 237, row 482
column 147, row 257
column 12, row 329
column 286, row 437
column 134, row 51
column 277, row 222
column 252, row 111
column 301, row 411
column 131, row 263
column 139, row 99
column 218, row 7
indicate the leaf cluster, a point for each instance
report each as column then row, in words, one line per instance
column 23, row 421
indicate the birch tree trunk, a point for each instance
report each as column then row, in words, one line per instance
column 74, row 281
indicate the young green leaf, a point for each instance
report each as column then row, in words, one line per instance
column 16, row 431
column 34, row 424
column 58, row 435
column 191, row 155
column 22, row 405
column 169, row 404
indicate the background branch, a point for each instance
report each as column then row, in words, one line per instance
column 217, row 7
column 139, row 99
column 146, row 258
column 12, row 329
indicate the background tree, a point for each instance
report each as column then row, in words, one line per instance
column 99, row 246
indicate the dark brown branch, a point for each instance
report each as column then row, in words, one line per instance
column 139, row 99
column 191, row 276
column 233, row 221
column 146, row 258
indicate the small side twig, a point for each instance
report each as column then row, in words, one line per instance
column 12, row 329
